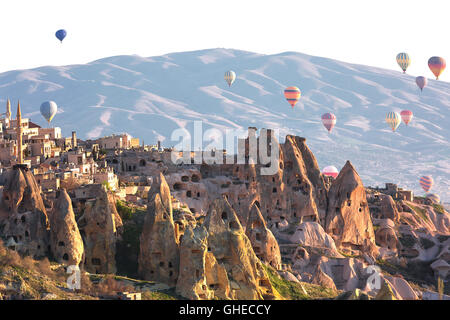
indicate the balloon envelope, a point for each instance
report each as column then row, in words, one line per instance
column 403, row 61
column 421, row 82
column 407, row 116
column 393, row 119
column 292, row 94
column 329, row 120
column 61, row 34
column 230, row 76
column 436, row 65
column 48, row 110
column 434, row 197
column 426, row 182
column 331, row 171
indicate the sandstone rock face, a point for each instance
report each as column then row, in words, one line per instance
column 311, row 234
column 263, row 242
column 386, row 236
column 23, row 216
column 21, row 192
column 348, row 218
column 382, row 206
column 100, row 226
column 192, row 282
column 233, row 251
column 65, row 238
column 159, row 257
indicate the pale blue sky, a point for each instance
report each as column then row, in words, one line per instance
column 370, row 33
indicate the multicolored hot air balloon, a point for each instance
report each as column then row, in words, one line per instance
column 292, row 94
column 48, row 110
column 230, row 76
column 426, row 182
column 61, row 34
column 421, row 82
column 331, row 171
column 434, row 197
column 393, row 119
column 329, row 120
column 403, row 61
column 436, row 65
column 407, row 116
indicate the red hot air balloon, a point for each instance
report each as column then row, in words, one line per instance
column 292, row 94
column 436, row 65
column 426, row 182
column 329, row 120
column 331, row 171
column 421, row 82
column 407, row 116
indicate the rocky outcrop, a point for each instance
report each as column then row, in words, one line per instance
column 297, row 178
column 386, row 236
column 192, row 281
column 263, row 242
column 100, row 227
column 23, row 217
column 348, row 218
column 311, row 234
column 233, row 252
column 21, row 192
column 65, row 238
column 159, row 256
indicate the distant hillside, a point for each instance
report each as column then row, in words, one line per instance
column 150, row 97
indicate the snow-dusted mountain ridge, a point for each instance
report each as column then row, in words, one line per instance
column 150, row 97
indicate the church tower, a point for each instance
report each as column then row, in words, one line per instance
column 19, row 135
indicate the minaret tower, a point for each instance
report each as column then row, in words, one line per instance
column 8, row 110
column 8, row 114
column 19, row 135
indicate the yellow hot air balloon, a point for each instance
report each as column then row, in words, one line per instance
column 230, row 76
column 393, row 119
column 403, row 61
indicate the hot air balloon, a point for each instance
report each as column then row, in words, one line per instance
column 230, row 76
column 48, row 110
column 426, row 182
column 329, row 120
column 61, row 34
column 403, row 61
column 292, row 94
column 421, row 82
column 436, row 65
column 434, row 197
column 407, row 116
column 331, row 171
column 393, row 119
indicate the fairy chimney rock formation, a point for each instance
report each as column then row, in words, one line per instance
column 192, row 282
column 233, row 251
column 263, row 241
column 23, row 216
column 100, row 226
column 348, row 218
column 159, row 256
column 303, row 202
column 65, row 238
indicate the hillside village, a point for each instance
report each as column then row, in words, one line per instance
column 116, row 207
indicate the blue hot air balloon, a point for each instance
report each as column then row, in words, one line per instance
column 48, row 110
column 61, row 34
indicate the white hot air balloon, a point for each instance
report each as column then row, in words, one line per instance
column 48, row 110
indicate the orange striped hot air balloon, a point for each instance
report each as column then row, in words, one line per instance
column 292, row 94
column 426, row 182
column 436, row 65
